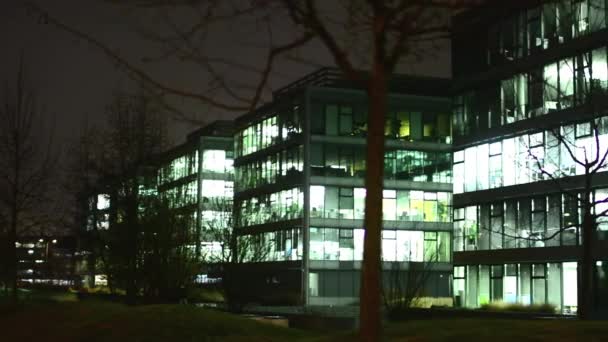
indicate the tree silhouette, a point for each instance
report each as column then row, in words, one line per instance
column 27, row 162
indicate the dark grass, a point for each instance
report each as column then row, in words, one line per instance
column 490, row 330
column 101, row 321
column 94, row 320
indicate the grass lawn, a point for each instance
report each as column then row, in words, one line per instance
column 100, row 321
column 490, row 330
column 494, row 330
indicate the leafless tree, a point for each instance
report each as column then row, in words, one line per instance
column 367, row 40
column 590, row 159
column 227, row 250
column 82, row 184
column 168, row 253
column 27, row 163
column 405, row 286
column 117, row 166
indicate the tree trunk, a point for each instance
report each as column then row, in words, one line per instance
column 132, row 245
column 12, row 260
column 370, row 315
column 586, row 265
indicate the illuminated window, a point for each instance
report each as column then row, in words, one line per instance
column 599, row 70
column 459, row 173
column 389, row 204
column 430, row 207
column 103, row 202
column 346, row 245
column 403, row 122
column 359, row 202
column 331, row 244
column 216, row 188
column 214, row 160
column 431, row 250
column 346, row 205
column 317, row 199
column 417, row 205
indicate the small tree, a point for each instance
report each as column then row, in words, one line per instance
column 404, row 287
column 168, row 252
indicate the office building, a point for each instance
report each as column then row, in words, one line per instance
column 530, row 85
column 299, row 188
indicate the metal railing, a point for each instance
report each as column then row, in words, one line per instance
column 322, row 77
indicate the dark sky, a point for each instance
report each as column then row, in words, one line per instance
column 75, row 81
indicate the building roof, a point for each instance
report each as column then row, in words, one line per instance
column 329, row 77
column 218, row 128
column 398, row 83
column 490, row 11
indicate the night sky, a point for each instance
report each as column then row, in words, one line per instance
column 74, row 80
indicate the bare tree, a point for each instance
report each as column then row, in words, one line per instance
column 27, row 162
column 168, row 253
column 227, row 250
column 118, row 167
column 367, row 40
column 82, row 184
column 590, row 159
column 406, row 286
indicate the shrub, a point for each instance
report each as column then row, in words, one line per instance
column 205, row 295
column 518, row 307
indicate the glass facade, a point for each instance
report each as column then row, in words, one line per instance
column 215, row 190
column 325, row 141
column 544, row 27
column 403, row 205
column 280, row 245
column 527, row 158
column 274, row 207
column 525, row 117
column 524, row 283
column 413, row 125
column 547, row 220
column 331, row 160
column 279, row 167
column 561, row 84
column 180, row 167
column 218, row 161
column 397, row 245
column 270, row 131
column 196, row 178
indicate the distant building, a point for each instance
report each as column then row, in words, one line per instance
column 523, row 71
column 194, row 178
column 49, row 261
column 299, row 188
column 197, row 180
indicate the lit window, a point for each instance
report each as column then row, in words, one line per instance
column 103, row 202
column 214, row 160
